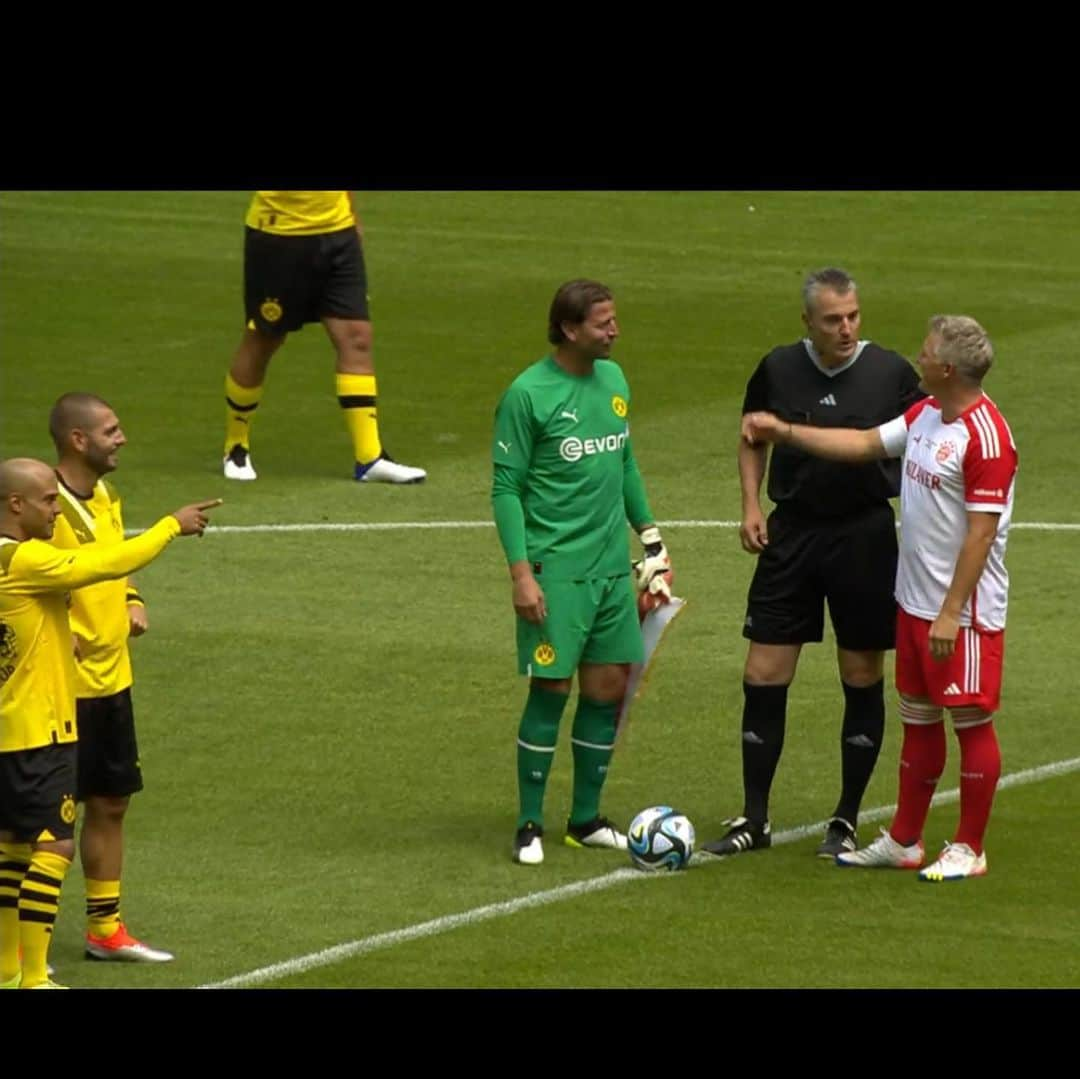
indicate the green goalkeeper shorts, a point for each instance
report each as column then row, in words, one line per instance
column 587, row 622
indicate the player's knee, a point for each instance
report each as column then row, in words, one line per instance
column 771, row 664
column 551, row 685
column 604, row 683
column 352, row 338
column 261, row 346
column 768, row 673
column 861, row 669
column 65, row 848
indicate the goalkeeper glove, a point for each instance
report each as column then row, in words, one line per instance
column 652, row 574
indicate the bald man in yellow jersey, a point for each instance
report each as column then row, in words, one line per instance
column 304, row 262
column 88, row 437
column 37, row 702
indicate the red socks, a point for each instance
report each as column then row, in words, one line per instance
column 922, row 760
column 980, row 770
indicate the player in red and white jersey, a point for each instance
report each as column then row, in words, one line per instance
column 956, row 502
column 952, row 468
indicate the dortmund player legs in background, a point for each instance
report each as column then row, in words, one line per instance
column 37, row 702
column 88, row 437
column 304, row 262
column 565, row 485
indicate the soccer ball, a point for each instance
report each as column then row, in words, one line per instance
column 660, row 838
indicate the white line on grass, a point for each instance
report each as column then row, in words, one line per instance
column 402, row 526
column 435, row 926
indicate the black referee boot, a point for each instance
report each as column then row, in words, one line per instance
column 743, row 835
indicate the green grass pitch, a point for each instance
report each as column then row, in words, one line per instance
column 327, row 718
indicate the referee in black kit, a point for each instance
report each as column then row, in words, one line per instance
column 832, row 536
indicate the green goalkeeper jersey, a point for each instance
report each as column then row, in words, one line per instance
column 565, row 478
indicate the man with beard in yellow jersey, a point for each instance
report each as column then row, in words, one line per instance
column 304, row 262
column 37, row 701
column 88, row 436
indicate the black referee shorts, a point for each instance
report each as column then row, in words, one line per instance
column 848, row 563
column 108, row 752
column 292, row 280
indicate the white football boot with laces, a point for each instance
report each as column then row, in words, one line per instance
column 528, row 849
column 599, row 833
column 384, row 469
column 956, row 862
column 884, row 853
column 237, row 464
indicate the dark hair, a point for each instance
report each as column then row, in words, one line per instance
column 72, row 410
column 572, row 303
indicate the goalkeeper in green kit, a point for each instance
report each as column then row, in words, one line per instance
column 565, row 485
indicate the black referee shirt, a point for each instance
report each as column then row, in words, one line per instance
column 876, row 386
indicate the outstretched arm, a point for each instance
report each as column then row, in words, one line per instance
column 835, row 443
column 36, row 566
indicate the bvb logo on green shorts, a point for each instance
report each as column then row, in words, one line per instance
column 618, row 406
column 270, row 310
column 67, row 809
column 544, row 655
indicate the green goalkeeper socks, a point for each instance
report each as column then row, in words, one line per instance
column 593, row 739
column 537, row 735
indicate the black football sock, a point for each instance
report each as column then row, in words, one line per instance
column 764, row 714
column 860, row 743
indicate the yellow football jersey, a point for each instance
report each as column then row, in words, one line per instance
column 300, row 213
column 37, row 663
column 98, row 613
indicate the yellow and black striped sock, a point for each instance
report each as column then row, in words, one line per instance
column 102, row 907
column 240, row 405
column 14, row 862
column 356, row 395
column 39, row 898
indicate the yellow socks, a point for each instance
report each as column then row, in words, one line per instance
column 39, row 899
column 240, row 404
column 14, row 862
column 356, row 395
column 102, row 907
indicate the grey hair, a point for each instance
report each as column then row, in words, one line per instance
column 964, row 344
column 832, row 277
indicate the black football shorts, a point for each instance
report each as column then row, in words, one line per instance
column 37, row 793
column 293, row 280
column 108, row 752
column 849, row 564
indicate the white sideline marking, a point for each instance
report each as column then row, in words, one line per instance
column 400, row 526
column 435, row 926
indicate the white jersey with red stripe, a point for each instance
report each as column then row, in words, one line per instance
column 949, row 469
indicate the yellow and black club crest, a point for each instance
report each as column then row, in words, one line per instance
column 544, row 655
column 67, row 809
column 619, row 407
column 270, row 310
